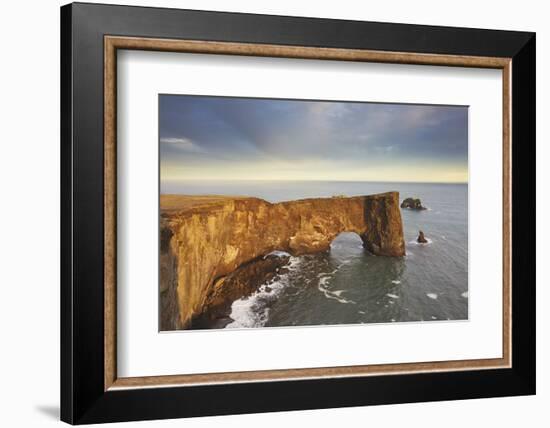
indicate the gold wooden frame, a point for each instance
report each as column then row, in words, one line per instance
column 113, row 43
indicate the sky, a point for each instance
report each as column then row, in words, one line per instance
column 224, row 138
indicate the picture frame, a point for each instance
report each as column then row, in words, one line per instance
column 91, row 35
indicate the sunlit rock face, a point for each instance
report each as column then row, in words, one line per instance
column 205, row 238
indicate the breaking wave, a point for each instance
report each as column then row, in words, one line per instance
column 253, row 311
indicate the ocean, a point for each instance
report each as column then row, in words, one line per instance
column 348, row 285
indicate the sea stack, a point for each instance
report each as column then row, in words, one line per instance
column 413, row 204
column 421, row 238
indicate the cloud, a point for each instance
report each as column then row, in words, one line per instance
column 182, row 144
column 220, row 132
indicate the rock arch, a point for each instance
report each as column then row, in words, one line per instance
column 205, row 238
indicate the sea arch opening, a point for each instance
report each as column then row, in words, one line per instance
column 347, row 243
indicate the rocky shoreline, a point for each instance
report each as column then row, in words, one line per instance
column 243, row 282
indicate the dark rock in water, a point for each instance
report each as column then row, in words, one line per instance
column 242, row 282
column 421, row 238
column 412, row 204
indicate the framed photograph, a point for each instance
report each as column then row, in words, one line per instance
column 276, row 213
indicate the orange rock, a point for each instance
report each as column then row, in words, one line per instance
column 204, row 238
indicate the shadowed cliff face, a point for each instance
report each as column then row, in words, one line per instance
column 205, row 238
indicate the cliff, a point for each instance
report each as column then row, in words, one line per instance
column 205, row 238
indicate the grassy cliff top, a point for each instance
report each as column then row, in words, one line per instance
column 185, row 202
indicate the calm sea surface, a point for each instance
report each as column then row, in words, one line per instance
column 348, row 285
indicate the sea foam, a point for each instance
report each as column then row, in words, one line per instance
column 415, row 242
column 334, row 295
column 253, row 311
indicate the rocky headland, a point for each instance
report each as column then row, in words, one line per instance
column 215, row 249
